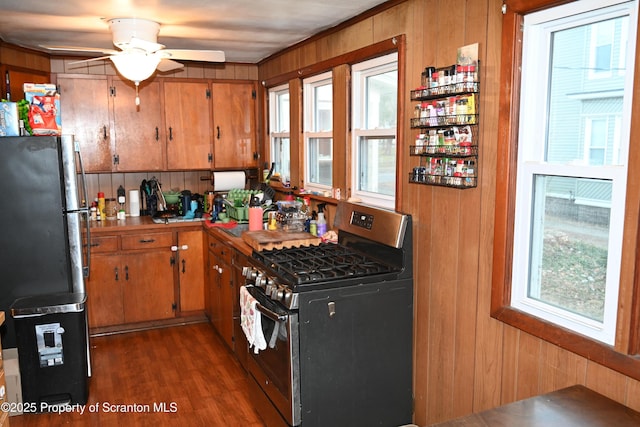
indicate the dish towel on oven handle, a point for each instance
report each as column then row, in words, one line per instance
column 251, row 321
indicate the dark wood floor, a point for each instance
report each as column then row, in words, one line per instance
column 187, row 368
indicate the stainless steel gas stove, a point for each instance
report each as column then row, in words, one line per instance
column 339, row 318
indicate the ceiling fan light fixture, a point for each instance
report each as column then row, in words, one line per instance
column 135, row 66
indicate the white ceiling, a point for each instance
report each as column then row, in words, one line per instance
column 246, row 30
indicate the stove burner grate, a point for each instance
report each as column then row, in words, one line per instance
column 324, row 262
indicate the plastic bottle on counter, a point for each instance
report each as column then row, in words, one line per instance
column 101, row 204
column 322, row 222
column 255, row 215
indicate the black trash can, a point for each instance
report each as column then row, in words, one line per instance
column 52, row 340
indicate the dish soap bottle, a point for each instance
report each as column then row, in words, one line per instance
column 322, row 222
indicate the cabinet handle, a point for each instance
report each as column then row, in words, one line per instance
column 116, row 271
column 104, row 133
column 170, row 133
column 218, row 128
column 157, row 134
column 147, row 240
column 184, row 262
column 175, row 248
column 126, row 272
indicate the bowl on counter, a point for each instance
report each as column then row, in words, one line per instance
column 171, row 197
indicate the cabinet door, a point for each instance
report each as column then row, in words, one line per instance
column 212, row 291
column 234, row 121
column 104, row 291
column 225, row 308
column 188, row 125
column 148, row 287
column 191, row 271
column 84, row 111
column 138, row 129
column 15, row 80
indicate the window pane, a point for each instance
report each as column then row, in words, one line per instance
column 377, row 165
column 283, row 112
column 280, row 154
column 573, row 95
column 569, row 244
column 320, row 161
column 382, row 96
column 323, row 108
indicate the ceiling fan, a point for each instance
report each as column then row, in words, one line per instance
column 140, row 54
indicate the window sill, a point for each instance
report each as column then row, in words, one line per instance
column 588, row 348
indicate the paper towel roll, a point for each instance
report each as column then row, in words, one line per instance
column 225, row 181
column 134, row 203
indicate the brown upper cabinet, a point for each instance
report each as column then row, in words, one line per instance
column 234, row 119
column 138, row 130
column 84, row 111
column 187, row 109
column 179, row 124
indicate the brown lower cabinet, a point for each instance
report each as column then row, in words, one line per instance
column 220, row 289
column 137, row 277
column 222, row 293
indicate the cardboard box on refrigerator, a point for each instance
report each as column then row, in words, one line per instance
column 44, row 109
column 9, row 120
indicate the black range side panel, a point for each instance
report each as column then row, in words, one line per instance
column 356, row 355
column 33, row 228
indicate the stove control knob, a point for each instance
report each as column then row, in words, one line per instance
column 260, row 280
column 288, row 298
column 249, row 272
column 270, row 289
column 278, row 293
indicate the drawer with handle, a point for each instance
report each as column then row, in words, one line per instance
column 101, row 244
column 147, row 241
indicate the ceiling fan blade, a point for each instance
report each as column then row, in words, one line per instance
column 193, row 55
column 168, row 65
column 80, row 49
column 89, row 60
column 145, row 45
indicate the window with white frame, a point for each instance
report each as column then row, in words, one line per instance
column 279, row 130
column 318, row 132
column 374, row 120
column 572, row 164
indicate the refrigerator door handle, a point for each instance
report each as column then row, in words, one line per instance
column 87, row 268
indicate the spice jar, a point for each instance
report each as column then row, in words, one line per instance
column 111, row 208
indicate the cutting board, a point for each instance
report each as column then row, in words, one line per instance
column 265, row 239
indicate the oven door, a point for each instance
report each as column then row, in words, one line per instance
column 277, row 368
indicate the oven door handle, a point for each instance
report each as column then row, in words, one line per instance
column 270, row 314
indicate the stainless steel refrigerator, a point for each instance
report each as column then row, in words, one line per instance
column 42, row 219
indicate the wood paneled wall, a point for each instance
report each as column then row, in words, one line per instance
column 465, row 361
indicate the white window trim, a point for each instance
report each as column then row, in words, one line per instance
column 308, row 98
column 360, row 71
column 535, row 58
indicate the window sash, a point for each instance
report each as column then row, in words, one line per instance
column 370, row 180
column 534, row 165
column 279, row 124
column 318, row 133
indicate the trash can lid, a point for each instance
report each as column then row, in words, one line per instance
column 40, row 305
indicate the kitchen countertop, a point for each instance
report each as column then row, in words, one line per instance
column 573, row 406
